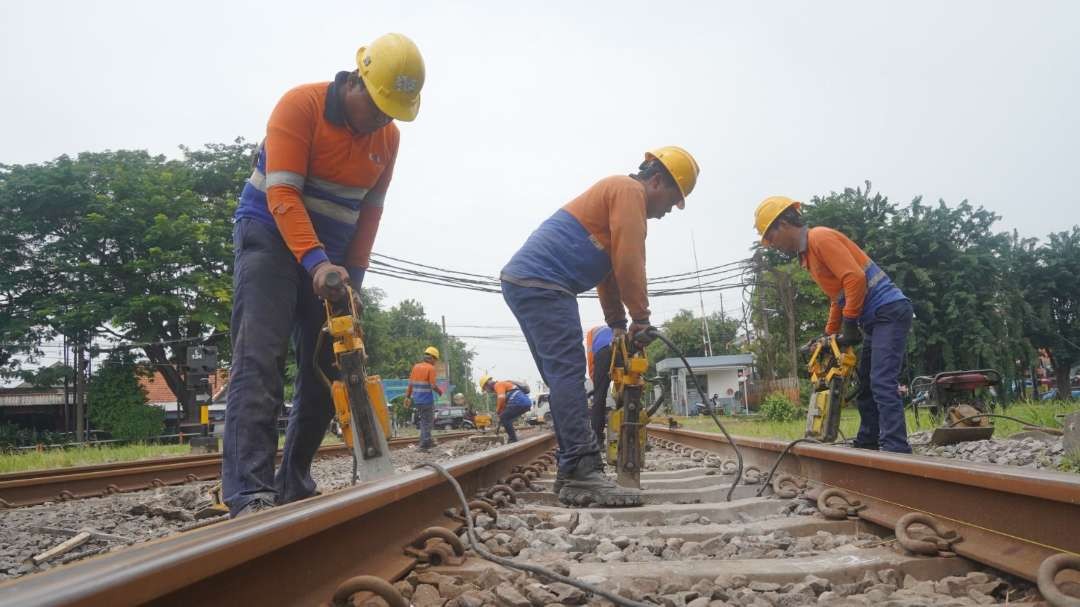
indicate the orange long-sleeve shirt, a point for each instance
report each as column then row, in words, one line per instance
column 838, row 266
column 595, row 240
column 318, row 182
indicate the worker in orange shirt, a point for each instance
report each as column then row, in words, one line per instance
column 421, row 392
column 864, row 301
column 595, row 240
column 511, row 402
column 310, row 209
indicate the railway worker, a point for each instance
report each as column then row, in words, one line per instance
column 511, row 402
column 595, row 240
column 862, row 297
column 310, row 209
column 421, row 392
column 598, row 355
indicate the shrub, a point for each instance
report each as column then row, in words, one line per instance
column 777, row 408
column 117, row 403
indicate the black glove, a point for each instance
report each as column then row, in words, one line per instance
column 850, row 334
column 642, row 334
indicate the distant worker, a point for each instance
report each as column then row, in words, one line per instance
column 595, row 240
column 310, row 209
column 598, row 355
column 511, row 402
column 861, row 295
column 421, row 392
column 459, row 400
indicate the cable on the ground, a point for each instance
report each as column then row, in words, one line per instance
column 776, row 464
column 543, row 572
column 701, row 391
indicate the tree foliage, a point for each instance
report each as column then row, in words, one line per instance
column 685, row 331
column 396, row 339
column 982, row 298
column 117, row 402
column 121, row 245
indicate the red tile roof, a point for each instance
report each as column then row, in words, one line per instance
column 157, row 389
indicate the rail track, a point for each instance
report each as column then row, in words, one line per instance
column 856, row 535
column 61, row 484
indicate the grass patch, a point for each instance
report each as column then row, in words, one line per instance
column 86, row 456
column 1039, row 413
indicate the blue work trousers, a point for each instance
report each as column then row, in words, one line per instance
column 506, row 420
column 273, row 301
column 881, row 410
column 426, row 420
column 552, row 327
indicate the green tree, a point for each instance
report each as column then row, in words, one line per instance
column 948, row 260
column 1053, row 292
column 117, row 402
column 396, row 339
column 122, row 245
column 685, row 330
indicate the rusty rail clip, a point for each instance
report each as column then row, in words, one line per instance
column 938, row 543
column 1048, row 586
column 850, row 509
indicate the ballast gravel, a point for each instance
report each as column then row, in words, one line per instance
column 154, row 513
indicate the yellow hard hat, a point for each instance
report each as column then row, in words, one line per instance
column 484, row 381
column 680, row 165
column 769, row 210
column 433, row 352
column 393, row 72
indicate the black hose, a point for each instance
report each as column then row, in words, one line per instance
column 776, row 464
column 701, row 391
column 479, row 548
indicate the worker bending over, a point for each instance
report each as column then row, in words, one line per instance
column 511, row 402
column 861, row 295
column 598, row 354
column 595, row 240
column 310, row 209
column 421, row 392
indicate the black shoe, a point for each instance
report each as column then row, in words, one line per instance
column 585, row 484
column 560, row 480
column 255, row 505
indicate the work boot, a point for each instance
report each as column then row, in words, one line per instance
column 256, row 505
column 585, row 484
column 560, row 480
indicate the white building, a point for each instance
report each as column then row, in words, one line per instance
column 719, row 375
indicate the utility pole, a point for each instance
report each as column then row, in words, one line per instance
column 786, row 290
column 706, row 338
column 67, row 412
column 446, row 349
column 759, row 264
column 80, row 392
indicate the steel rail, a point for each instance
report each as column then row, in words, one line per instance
column 39, row 486
column 290, row 555
column 1009, row 518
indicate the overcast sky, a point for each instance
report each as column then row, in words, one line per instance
column 528, row 104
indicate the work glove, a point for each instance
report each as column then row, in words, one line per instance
column 408, row 403
column 850, row 334
column 642, row 333
column 329, row 288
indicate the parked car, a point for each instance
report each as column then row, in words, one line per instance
column 1051, row 394
column 540, row 413
column 452, row 417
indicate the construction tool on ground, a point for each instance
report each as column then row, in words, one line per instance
column 952, row 400
column 832, row 375
column 359, row 402
column 626, row 428
column 482, row 421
